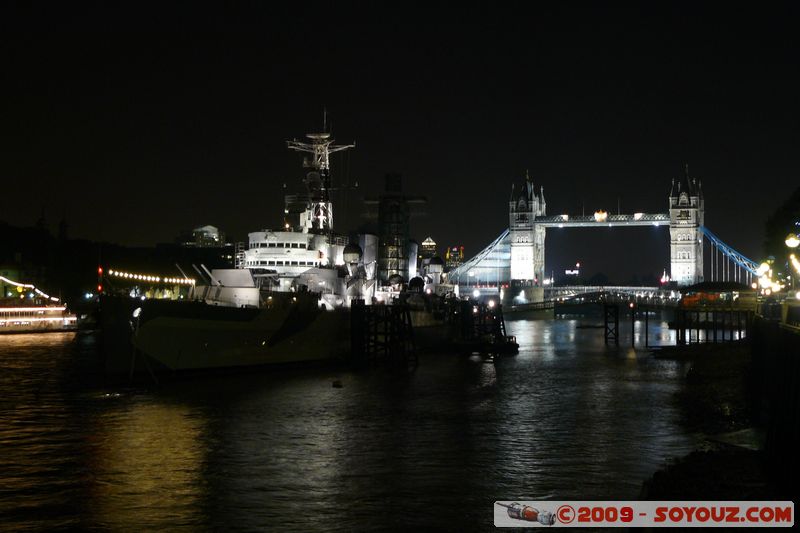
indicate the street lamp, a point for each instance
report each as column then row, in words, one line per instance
column 792, row 242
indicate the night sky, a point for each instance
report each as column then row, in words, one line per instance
column 139, row 123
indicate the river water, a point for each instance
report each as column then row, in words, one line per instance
column 567, row 418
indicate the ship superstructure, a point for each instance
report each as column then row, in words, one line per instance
column 306, row 254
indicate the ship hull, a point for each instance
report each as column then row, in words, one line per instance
column 178, row 337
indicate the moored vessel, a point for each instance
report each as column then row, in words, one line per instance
column 26, row 309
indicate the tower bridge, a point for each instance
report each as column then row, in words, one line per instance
column 516, row 259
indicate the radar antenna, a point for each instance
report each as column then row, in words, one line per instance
column 320, row 146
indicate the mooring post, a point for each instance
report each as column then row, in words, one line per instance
column 357, row 326
column 633, row 324
column 697, row 326
column 714, row 325
column 611, row 311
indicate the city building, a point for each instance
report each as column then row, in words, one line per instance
column 427, row 249
column 454, row 257
column 202, row 237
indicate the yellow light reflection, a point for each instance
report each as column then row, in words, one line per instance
column 149, row 467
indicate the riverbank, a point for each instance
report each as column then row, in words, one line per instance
column 718, row 402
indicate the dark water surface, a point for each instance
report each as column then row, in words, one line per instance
column 565, row 419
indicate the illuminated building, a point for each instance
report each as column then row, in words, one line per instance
column 428, row 249
column 686, row 214
column 203, row 237
column 454, row 257
column 526, row 238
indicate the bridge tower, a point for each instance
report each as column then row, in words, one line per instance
column 686, row 214
column 527, row 242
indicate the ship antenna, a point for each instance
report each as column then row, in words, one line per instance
column 319, row 146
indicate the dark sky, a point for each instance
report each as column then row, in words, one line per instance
column 139, row 123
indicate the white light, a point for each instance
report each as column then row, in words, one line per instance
column 16, row 284
column 491, row 303
column 32, row 309
column 23, row 320
column 476, row 293
column 792, row 241
column 795, row 262
column 137, row 312
column 88, row 295
column 637, row 216
column 600, row 216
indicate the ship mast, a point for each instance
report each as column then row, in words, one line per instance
column 320, row 146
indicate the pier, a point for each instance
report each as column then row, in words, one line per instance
column 382, row 334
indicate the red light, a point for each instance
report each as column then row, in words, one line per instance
column 630, row 305
column 99, row 288
column 100, row 270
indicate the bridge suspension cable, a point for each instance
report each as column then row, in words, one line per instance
column 726, row 263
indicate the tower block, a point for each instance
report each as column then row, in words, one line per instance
column 686, row 216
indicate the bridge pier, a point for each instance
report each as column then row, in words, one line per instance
column 611, row 315
column 518, row 294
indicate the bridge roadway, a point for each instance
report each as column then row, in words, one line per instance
column 568, row 291
column 586, row 221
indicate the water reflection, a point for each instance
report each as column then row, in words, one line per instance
column 146, row 460
column 567, row 418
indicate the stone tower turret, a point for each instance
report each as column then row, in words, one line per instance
column 526, row 237
column 686, row 216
